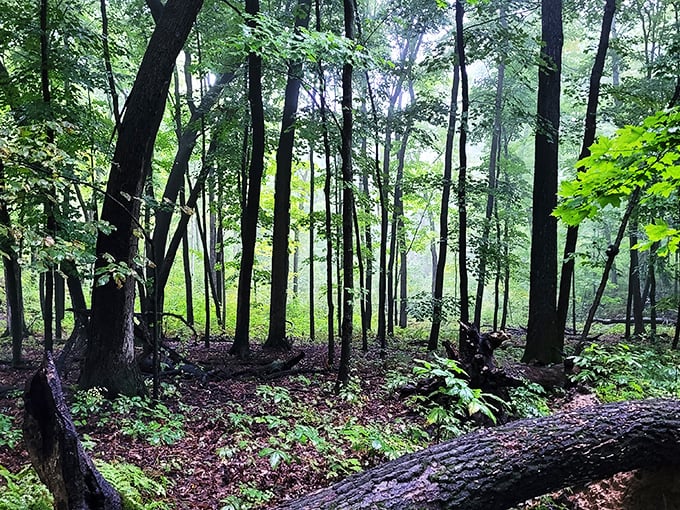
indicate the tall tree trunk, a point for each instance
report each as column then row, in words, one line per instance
column 490, row 197
column 186, row 264
column 312, row 253
column 368, row 243
column 612, row 251
column 544, row 343
column 568, row 261
column 362, row 296
column 438, row 293
column 634, row 279
column 241, row 345
column 462, row 175
column 347, row 209
column 109, row 359
column 10, row 261
column 284, row 161
column 328, row 220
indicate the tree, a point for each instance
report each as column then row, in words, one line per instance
column 251, row 210
column 347, row 208
column 284, row 160
column 506, row 465
column 109, row 359
column 438, row 292
column 543, row 340
column 568, row 261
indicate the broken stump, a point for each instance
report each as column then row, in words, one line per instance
column 55, row 450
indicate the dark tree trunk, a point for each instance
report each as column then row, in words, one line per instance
column 312, row 253
column 634, row 279
column 501, row 467
column 368, row 242
column 462, row 170
column 109, row 360
column 328, row 226
column 10, row 261
column 544, row 343
column 362, row 294
column 347, row 209
column 284, row 161
column 612, row 252
column 241, row 345
column 568, row 261
column 438, row 293
column 56, row 453
column 491, row 193
column 186, row 264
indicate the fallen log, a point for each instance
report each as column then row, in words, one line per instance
column 55, row 451
column 500, row 467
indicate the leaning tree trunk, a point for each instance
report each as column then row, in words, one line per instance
column 568, row 261
column 462, row 169
column 500, row 467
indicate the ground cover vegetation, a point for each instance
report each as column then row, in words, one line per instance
column 257, row 237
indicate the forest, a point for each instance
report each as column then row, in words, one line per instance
column 356, row 254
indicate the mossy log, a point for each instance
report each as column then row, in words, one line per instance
column 499, row 467
column 55, row 450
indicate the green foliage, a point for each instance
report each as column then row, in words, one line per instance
column 137, row 489
column 529, row 401
column 625, row 372
column 382, row 441
column 10, row 434
column 23, row 491
column 137, row 417
column 452, row 403
column 645, row 157
column 153, row 422
column 249, row 497
column 87, row 403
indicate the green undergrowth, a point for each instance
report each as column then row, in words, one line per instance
column 135, row 417
column 24, row 490
column 627, row 371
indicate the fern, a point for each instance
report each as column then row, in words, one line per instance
column 137, row 489
column 23, row 491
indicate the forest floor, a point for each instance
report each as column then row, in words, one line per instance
column 236, row 440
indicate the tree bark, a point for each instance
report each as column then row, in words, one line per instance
column 241, row 345
column 56, row 453
column 544, row 344
column 109, row 360
column 284, row 163
column 347, row 209
column 438, row 293
column 503, row 466
column 568, row 261
column 462, row 170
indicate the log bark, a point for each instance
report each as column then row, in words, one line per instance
column 55, row 451
column 500, row 467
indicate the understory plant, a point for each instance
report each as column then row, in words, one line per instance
column 451, row 404
column 24, row 490
column 622, row 371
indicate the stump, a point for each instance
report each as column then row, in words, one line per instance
column 55, row 450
